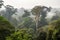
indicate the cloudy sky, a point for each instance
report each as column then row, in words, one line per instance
column 28, row 4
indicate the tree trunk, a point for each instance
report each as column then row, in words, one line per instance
column 37, row 20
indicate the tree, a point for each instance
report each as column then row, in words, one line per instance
column 27, row 23
column 5, row 28
column 44, row 11
column 26, row 14
column 56, row 16
column 36, row 11
column 53, row 30
column 10, row 10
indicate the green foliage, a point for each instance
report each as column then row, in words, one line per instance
column 26, row 14
column 42, row 35
column 52, row 31
column 55, row 18
column 36, row 10
column 26, row 31
column 22, row 34
column 43, row 20
column 5, row 28
column 27, row 23
column 4, row 24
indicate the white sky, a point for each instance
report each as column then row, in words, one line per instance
column 28, row 4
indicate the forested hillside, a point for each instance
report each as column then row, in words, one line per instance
column 29, row 22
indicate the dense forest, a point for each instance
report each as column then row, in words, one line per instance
column 29, row 24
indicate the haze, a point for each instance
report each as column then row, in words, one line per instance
column 28, row 4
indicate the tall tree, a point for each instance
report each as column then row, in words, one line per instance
column 36, row 11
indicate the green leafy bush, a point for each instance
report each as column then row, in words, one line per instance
column 22, row 34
